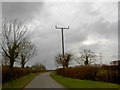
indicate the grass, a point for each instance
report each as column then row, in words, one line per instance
column 76, row 83
column 20, row 82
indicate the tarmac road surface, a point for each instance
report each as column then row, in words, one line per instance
column 44, row 81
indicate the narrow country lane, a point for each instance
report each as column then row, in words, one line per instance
column 43, row 81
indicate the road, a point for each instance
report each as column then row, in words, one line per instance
column 43, row 81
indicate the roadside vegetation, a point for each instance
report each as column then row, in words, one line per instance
column 94, row 73
column 17, row 49
column 76, row 83
column 16, row 72
column 87, row 69
column 20, row 82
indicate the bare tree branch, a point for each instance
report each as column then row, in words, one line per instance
column 27, row 51
column 11, row 39
column 87, row 56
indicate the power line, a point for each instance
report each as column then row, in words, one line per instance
column 62, row 28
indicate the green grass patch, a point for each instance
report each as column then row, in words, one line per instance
column 20, row 82
column 76, row 83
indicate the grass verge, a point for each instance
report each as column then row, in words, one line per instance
column 76, row 83
column 20, row 82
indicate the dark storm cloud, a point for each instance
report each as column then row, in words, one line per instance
column 21, row 10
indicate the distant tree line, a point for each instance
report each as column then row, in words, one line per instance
column 86, row 56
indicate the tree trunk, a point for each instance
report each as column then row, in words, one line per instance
column 86, row 61
column 63, row 66
column 22, row 61
column 23, row 65
column 11, row 63
column 66, row 65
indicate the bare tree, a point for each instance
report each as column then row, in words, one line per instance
column 27, row 51
column 88, row 57
column 64, row 61
column 13, row 32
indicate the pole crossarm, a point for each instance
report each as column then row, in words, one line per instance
column 61, row 27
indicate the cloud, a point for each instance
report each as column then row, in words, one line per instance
column 93, row 25
column 21, row 10
column 104, row 29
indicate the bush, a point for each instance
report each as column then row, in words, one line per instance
column 82, row 72
column 87, row 72
column 102, row 75
column 16, row 72
column 106, row 74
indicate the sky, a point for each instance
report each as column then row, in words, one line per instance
column 92, row 25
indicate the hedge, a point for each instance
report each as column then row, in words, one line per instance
column 97, row 73
column 16, row 72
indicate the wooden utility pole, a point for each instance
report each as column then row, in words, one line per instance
column 62, row 28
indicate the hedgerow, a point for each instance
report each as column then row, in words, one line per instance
column 9, row 74
column 97, row 73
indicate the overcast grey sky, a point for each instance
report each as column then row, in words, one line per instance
column 93, row 25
